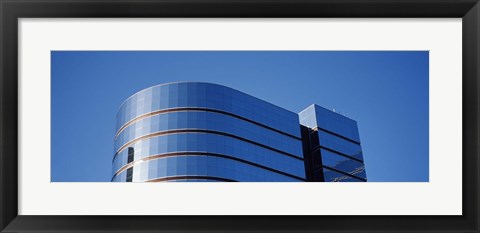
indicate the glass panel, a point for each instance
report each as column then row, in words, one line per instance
column 333, row 176
column 208, row 167
column 316, row 116
column 191, row 94
column 342, row 163
column 340, row 145
column 209, row 121
column 212, row 143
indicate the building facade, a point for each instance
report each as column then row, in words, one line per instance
column 332, row 149
column 203, row 132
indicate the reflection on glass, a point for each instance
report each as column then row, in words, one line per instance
column 200, row 132
column 333, row 176
column 204, row 166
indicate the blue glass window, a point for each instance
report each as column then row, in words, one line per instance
column 207, row 166
column 340, row 145
column 212, row 143
column 342, row 163
column 211, row 96
column 333, row 176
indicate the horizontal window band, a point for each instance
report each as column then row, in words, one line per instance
column 192, row 180
column 315, row 149
column 177, row 154
column 341, row 172
column 178, row 131
column 335, row 134
column 130, row 122
column 189, row 178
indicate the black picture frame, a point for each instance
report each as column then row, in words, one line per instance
column 11, row 11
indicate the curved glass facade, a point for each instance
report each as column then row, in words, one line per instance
column 205, row 120
column 201, row 132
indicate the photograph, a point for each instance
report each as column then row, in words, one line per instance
column 239, row 116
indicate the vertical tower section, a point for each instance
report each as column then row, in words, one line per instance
column 331, row 145
column 193, row 131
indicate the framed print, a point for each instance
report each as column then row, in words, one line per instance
column 250, row 116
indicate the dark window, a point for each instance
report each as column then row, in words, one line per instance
column 314, row 141
column 130, row 154
column 316, row 159
column 129, row 174
column 319, row 177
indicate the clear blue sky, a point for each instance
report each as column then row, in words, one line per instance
column 385, row 92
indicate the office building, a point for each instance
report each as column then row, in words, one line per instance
column 203, row 132
column 332, row 150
